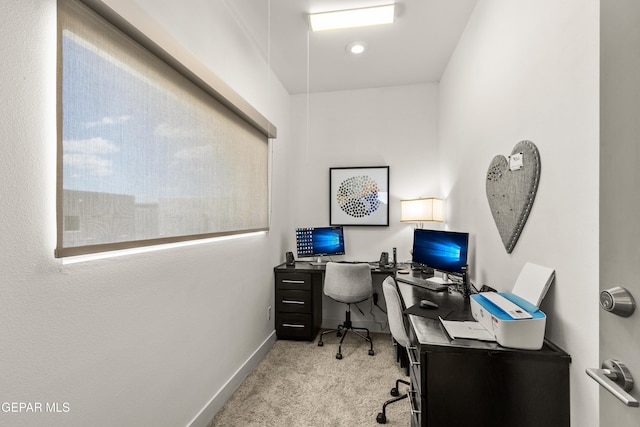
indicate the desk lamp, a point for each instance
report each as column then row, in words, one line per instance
column 422, row 210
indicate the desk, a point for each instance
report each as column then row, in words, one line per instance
column 298, row 288
column 454, row 382
column 474, row 383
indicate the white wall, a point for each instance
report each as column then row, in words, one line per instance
column 389, row 126
column 529, row 70
column 146, row 339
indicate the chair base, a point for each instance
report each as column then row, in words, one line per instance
column 343, row 330
column 382, row 416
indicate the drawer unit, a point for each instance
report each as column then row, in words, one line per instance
column 414, row 368
column 444, row 376
column 415, row 394
column 298, row 305
column 460, row 383
column 414, row 402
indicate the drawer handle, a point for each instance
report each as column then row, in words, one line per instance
column 288, row 301
column 414, row 411
column 410, row 351
column 297, row 282
column 292, row 325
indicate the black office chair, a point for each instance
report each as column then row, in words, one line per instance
column 399, row 333
column 349, row 284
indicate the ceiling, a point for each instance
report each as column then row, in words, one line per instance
column 414, row 49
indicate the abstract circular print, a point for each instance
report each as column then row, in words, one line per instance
column 358, row 196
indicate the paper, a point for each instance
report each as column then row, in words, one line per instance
column 516, row 161
column 466, row 329
column 533, row 283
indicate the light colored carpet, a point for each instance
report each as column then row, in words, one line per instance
column 303, row 385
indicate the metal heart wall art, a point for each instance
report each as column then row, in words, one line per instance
column 511, row 189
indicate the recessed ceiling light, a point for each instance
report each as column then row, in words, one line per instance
column 356, row 48
column 351, row 18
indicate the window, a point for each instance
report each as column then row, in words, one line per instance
column 147, row 155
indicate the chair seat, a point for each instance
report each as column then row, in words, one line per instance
column 350, row 299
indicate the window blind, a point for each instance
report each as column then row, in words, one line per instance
column 146, row 155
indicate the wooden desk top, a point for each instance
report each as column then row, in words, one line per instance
column 307, row 267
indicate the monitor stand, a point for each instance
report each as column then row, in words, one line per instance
column 444, row 280
column 318, row 262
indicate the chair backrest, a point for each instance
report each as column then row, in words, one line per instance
column 394, row 311
column 348, row 283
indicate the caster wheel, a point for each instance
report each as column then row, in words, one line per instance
column 320, row 343
column 394, row 392
column 338, row 356
column 381, row 419
column 339, row 334
column 371, row 353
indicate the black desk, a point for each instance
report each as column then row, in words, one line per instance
column 475, row 383
column 298, row 288
column 454, row 382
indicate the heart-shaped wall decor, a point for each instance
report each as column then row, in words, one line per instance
column 511, row 189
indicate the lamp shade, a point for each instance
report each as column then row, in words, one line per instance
column 422, row 210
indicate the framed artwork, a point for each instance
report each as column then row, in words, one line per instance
column 359, row 196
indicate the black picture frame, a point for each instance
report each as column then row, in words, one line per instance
column 359, row 195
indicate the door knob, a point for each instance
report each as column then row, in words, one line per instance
column 616, row 379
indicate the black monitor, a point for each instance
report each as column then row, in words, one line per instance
column 319, row 241
column 445, row 251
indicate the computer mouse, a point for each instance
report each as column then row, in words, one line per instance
column 425, row 303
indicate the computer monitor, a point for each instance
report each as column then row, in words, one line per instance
column 319, row 241
column 445, row 251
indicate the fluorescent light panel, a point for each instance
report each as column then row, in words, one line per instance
column 351, row 18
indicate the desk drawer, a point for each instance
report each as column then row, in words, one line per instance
column 292, row 326
column 415, row 402
column 300, row 281
column 414, row 369
column 293, row 301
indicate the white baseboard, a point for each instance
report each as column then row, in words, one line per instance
column 204, row 418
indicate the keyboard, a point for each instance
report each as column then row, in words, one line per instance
column 372, row 265
column 423, row 283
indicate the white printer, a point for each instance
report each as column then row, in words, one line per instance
column 514, row 318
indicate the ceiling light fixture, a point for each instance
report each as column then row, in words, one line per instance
column 356, row 48
column 351, row 18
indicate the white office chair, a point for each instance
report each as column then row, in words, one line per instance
column 349, row 284
column 399, row 333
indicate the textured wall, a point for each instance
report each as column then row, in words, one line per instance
column 392, row 126
column 528, row 70
column 144, row 339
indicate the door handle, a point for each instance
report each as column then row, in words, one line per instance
column 616, row 379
